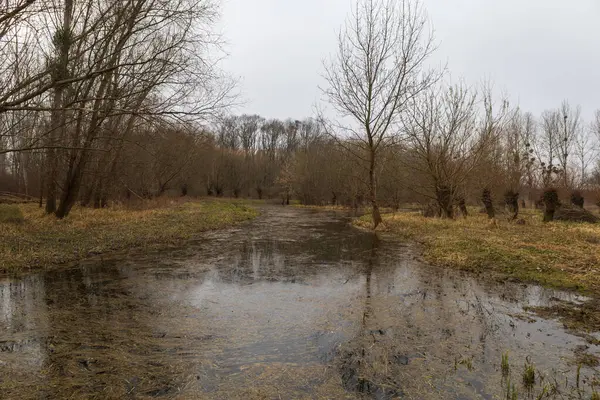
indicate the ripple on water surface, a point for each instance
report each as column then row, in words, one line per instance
column 297, row 304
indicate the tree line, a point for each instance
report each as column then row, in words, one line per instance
column 453, row 143
column 89, row 89
column 104, row 101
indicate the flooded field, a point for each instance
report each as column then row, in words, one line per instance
column 297, row 304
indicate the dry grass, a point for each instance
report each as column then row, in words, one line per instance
column 559, row 254
column 10, row 213
column 42, row 241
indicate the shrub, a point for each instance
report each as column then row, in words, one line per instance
column 10, row 213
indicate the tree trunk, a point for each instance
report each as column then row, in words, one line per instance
column 58, row 115
column 550, row 198
column 98, row 196
column 511, row 199
column 462, row 205
column 72, row 183
column 373, row 192
column 70, row 192
column 549, row 214
column 577, row 199
column 88, row 194
column 444, row 199
column 488, row 203
column 41, row 189
column 51, row 183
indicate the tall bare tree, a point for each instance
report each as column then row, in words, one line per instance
column 571, row 128
column 585, row 151
column 63, row 41
column 560, row 128
column 378, row 69
column 444, row 143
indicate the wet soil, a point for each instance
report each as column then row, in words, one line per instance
column 296, row 304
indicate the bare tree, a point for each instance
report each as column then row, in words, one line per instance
column 249, row 130
column 571, row 128
column 560, row 128
column 517, row 161
column 443, row 143
column 585, row 152
column 547, row 146
column 63, row 41
column 588, row 152
column 105, row 66
column 378, row 69
column 530, row 138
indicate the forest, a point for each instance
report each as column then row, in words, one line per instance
column 102, row 102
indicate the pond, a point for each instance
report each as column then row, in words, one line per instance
column 296, row 304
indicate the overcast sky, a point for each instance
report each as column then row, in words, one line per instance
column 539, row 52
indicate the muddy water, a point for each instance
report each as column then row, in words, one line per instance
column 296, row 304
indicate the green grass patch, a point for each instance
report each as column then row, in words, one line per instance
column 42, row 241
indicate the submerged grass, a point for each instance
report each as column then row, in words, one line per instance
column 538, row 385
column 559, row 254
column 42, row 241
column 529, row 376
column 505, row 366
column 511, row 391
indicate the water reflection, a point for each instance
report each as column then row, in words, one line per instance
column 298, row 305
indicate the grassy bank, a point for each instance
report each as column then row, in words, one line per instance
column 558, row 254
column 36, row 240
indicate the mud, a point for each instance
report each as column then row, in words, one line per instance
column 297, row 304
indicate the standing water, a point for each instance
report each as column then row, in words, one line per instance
column 297, row 304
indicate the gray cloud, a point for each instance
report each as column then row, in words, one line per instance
column 539, row 52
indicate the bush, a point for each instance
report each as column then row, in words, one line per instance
column 10, row 213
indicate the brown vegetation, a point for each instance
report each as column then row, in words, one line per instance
column 560, row 254
column 39, row 241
